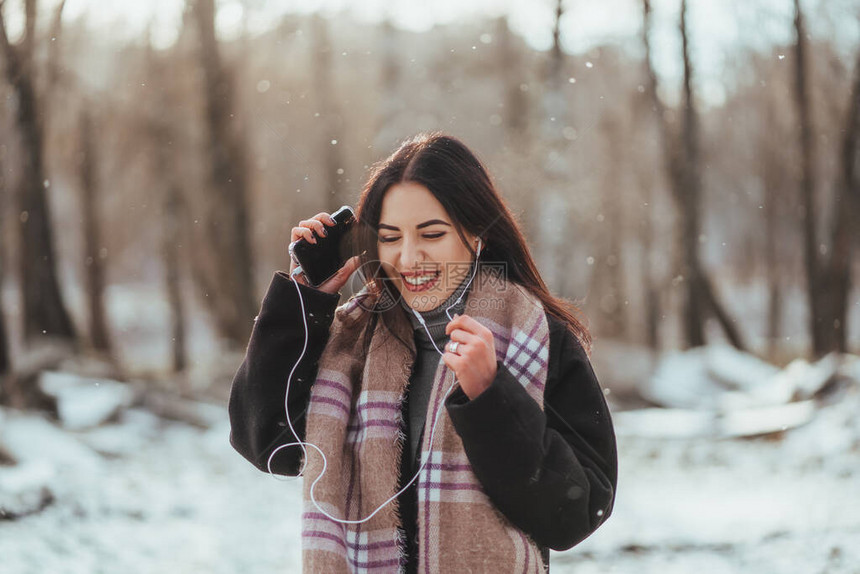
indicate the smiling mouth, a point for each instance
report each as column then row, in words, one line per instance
column 420, row 281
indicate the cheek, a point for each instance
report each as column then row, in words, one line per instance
column 454, row 252
column 386, row 258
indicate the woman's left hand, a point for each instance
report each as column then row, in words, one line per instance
column 475, row 360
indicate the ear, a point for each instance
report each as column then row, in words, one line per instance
column 475, row 242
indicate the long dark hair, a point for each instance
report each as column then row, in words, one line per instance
column 457, row 179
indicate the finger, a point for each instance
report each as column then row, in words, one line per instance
column 339, row 279
column 303, row 233
column 454, row 361
column 477, row 328
column 461, row 349
column 471, row 325
column 464, row 337
column 352, row 264
column 316, row 225
column 458, row 322
column 301, row 279
column 325, row 218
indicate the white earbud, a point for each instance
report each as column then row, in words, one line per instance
column 480, row 245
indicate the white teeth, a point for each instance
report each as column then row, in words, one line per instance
column 421, row 280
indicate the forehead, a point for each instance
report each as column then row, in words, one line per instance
column 409, row 203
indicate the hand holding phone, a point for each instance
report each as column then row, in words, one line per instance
column 323, row 246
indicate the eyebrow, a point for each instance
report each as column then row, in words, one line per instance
column 419, row 226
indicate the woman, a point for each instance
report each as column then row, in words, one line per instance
column 479, row 460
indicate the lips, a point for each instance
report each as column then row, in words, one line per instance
column 416, row 282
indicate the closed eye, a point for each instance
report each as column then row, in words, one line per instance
column 393, row 238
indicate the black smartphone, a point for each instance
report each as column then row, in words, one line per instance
column 321, row 260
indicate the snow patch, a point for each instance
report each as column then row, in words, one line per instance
column 84, row 402
column 30, row 438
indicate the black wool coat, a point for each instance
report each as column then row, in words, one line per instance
column 551, row 472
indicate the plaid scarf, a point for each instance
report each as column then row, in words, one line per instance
column 355, row 418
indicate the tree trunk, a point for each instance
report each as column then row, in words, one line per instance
column 807, row 186
column 684, row 174
column 44, row 312
column 711, row 301
column 172, row 241
column 5, row 360
column 172, row 215
column 162, row 139
column 851, row 148
column 773, row 181
column 229, row 240
column 691, row 201
column 95, row 254
column 845, row 205
column 671, row 159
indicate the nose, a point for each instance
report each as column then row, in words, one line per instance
column 411, row 254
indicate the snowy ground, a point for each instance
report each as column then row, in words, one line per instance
column 778, row 505
column 143, row 495
column 170, row 498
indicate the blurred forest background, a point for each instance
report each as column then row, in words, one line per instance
column 148, row 192
column 691, row 183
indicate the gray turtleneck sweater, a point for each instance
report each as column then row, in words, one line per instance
column 428, row 358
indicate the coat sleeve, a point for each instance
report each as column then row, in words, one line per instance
column 551, row 472
column 256, row 407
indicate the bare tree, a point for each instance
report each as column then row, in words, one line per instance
column 86, row 163
column 846, row 210
column 160, row 121
column 646, row 238
column 828, row 274
column 682, row 157
column 5, row 360
column 5, row 363
column 851, row 146
column 807, row 182
column 690, row 199
column 172, row 210
column 44, row 310
column 229, row 288
column 94, row 252
column 773, row 180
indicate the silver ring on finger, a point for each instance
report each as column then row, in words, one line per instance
column 454, row 346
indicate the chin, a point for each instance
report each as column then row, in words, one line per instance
column 427, row 302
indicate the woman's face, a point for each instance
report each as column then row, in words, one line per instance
column 419, row 247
